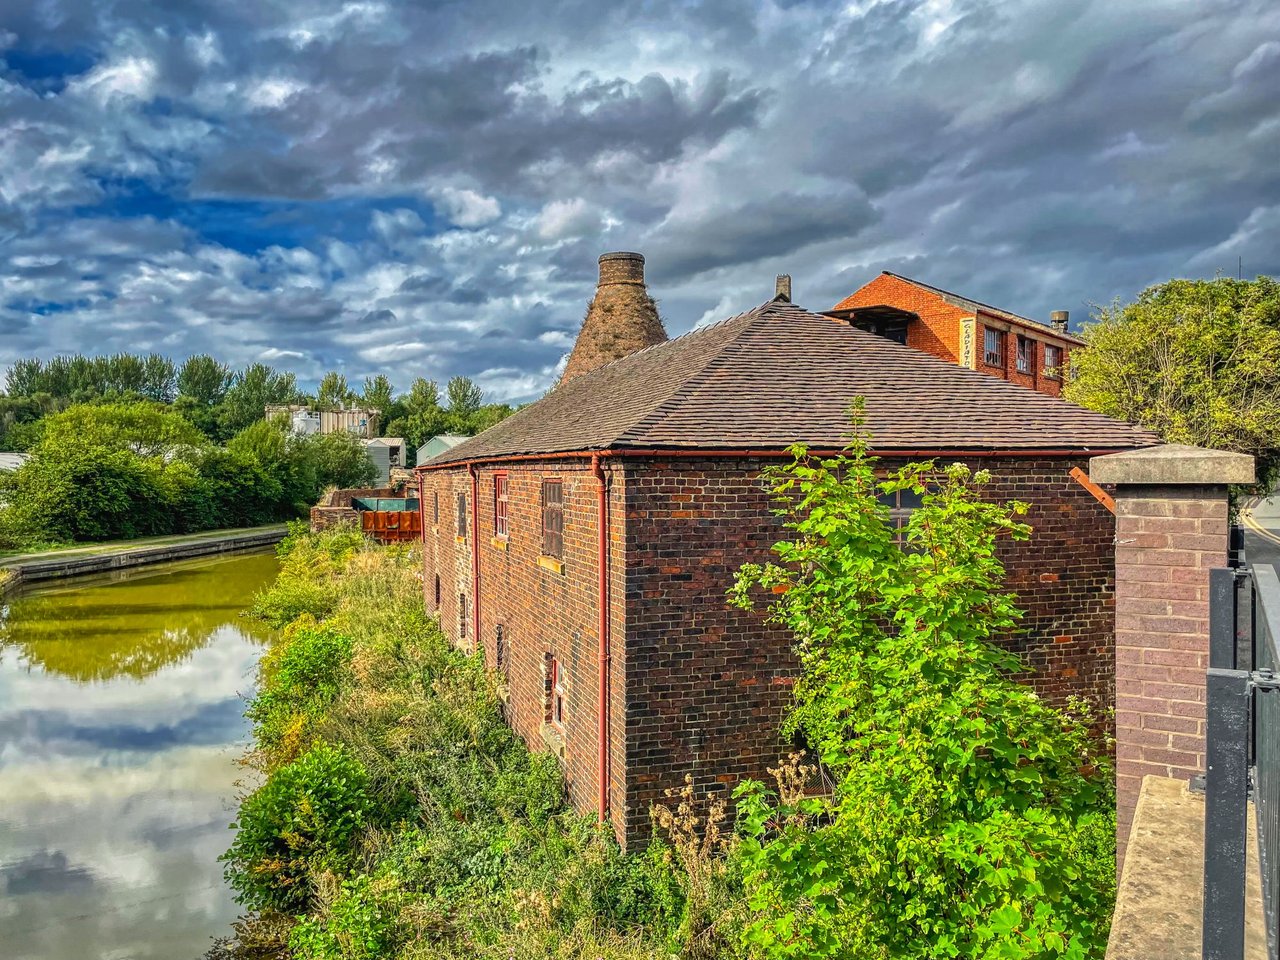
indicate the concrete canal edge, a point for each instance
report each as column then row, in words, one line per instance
column 16, row 571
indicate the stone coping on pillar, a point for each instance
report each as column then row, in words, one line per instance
column 1172, row 463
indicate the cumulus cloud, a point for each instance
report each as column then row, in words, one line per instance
column 383, row 186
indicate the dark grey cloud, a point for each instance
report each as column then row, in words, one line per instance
column 416, row 189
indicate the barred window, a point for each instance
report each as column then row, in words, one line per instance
column 901, row 504
column 437, row 591
column 1026, row 354
column 501, row 507
column 993, row 347
column 462, row 615
column 462, row 516
column 553, row 519
column 555, row 693
column 1052, row 360
column 435, row 506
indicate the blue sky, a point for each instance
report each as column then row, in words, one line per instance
column 422, row 189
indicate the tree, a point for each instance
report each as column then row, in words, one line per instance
column 203, row 379
column 146, row 429
column 1194, row 361
column 967, row 817
column 333, row 392
column 465, row 398
column 339, row 459
column 252, row 390
column 378, row 395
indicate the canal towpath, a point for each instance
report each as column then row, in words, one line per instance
column 17, row 569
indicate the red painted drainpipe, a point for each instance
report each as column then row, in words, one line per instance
column 602, row 514
column 475, row 556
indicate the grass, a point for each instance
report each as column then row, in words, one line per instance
column 400, row 818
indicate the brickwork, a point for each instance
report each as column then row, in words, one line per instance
column 696, row 686
column 1167, row 540
column 707, row 684
column 545, row 609
column 939, row 331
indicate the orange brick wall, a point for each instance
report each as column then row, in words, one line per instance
column 938, row 331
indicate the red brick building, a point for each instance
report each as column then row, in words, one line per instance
column 585, row 543
column 963, row 331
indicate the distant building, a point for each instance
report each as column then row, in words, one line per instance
column 437, row 445
column 963, row 331
column 304, row 420
column 387, row 454
column 12, row 461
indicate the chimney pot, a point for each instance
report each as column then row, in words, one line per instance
column 1059, row 319
column 621, row 267
column 782, row 288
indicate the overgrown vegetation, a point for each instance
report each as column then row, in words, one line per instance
column 1193, row 360
column 121, row 470
column 945, row 810
column 399, row 817
column 965, row 817
column 220, row 402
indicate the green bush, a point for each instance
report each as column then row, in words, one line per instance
column 305, row 817
column 302, row 672
column 969, row 818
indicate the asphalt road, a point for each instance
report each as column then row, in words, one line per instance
column 1262, row 532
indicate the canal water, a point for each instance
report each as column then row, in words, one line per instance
column 121, row 721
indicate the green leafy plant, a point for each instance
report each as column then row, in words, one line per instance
column 948, row 810
column 305, row 817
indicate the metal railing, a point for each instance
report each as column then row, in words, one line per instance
column 1242, row 754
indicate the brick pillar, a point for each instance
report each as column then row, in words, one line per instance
column 1171, row 529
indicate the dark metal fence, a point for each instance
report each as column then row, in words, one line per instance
column 1242, row 754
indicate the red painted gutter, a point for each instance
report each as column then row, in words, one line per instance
column 475, row 556
column 658, row 453
column 602, row 513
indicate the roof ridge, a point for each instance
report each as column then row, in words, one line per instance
column 659, row 410
column 980, row 305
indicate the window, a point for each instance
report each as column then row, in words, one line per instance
column 500, row 505
column 435, row 507
column 499, row 649
column 437, row 591
column 462, row 516
column 462, row 615
column 555, row 692
column 1026, row 354
column 553, row 518
column 993, row 347
column 901, row 504
column 1052, row 360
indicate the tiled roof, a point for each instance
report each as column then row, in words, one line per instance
column 779, row 374
column 977, row 305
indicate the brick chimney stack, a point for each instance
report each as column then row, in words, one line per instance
column 782, row 288
column 621, row 318
column 1059, row 319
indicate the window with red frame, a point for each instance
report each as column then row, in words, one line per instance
column 553, row 519
column 501, row 507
